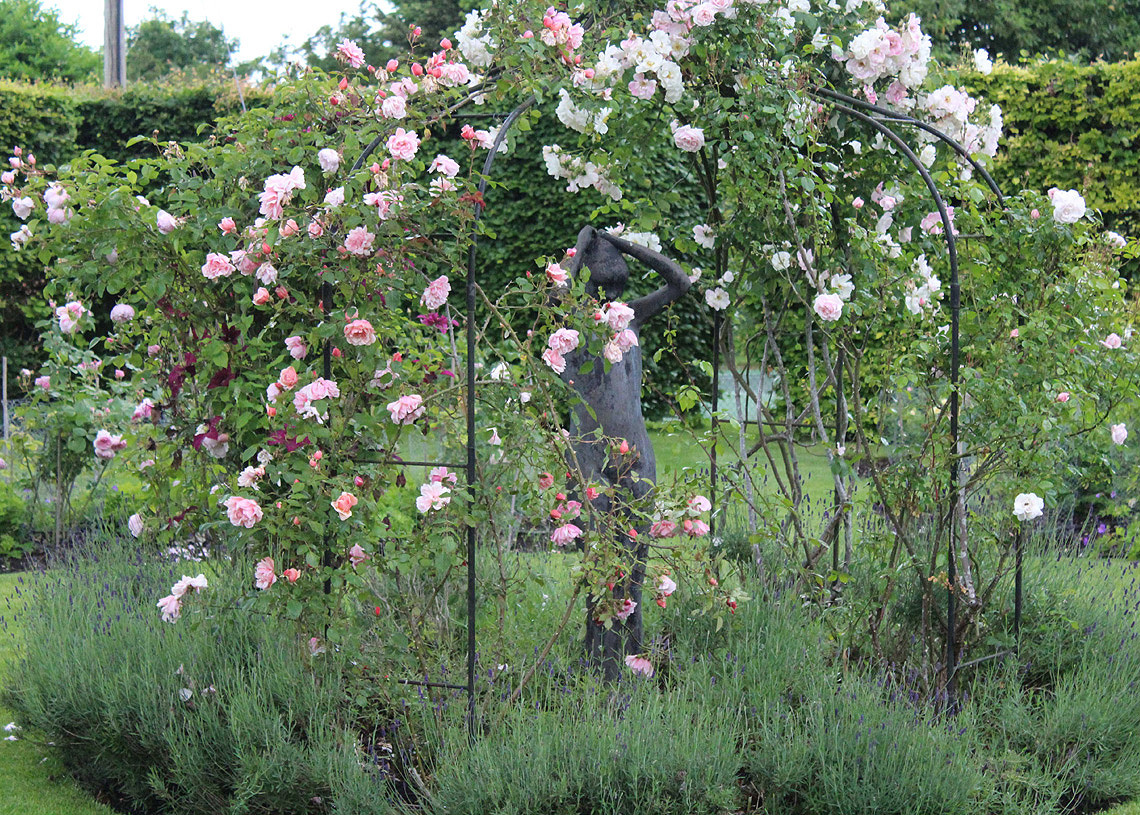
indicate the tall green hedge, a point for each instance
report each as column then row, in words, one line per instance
column 1073, row 127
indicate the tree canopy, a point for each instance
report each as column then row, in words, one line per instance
column 159, row 45
column 35, row 43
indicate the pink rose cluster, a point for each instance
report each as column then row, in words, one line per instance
column 107, row 446
column 264, row 575
column 315, row 391
column 359, row 332
column 349, row 52
column 561, row 342
column 687, row 520
column 278, row 190
column 433, row 495
column 436, row 294
column 69, row 316
column 406, row 409
column 171, row 604
column 403, row 144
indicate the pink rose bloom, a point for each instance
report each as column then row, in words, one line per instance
column 106, row 445
column 135, row 525
column 296, row 346
column 291, row 575
column 227, row 226
column 435, row 295
column 563, row 341
column 278, row 190
column 445, row 165
column 556, row 274
column 407, row 409
column 565, row 534
column 1063, row 396
column 143, row 411
column 1111, row 341
column 216, row 266
column 554, row 360
column 359, row 241
column 666, row 586
column 357, row 555
column 663, row 529
column 441, row 474
column 688, row 138
column 698, row 503
column 329, row 160
column 316, row 229
column 1014, row 334
column 618, row 315
column 267, row 273
column 350, row 52
column 187, row 584
column 857, row 203
column 829, row 307
column 403, row 144
column 394, row 107
column 334, row 198
column 153, row 350
column 344, row 504
column 166, row 222
column 288, row 378
column 43, row 382
column 627, row 608
column 243, row 512
column 546, row 481
column 639, row 665
column 263, row 576
column 261, row 296
column 696, row 529
column 23, row 207
column 1119, row 433
column 122, row 313
column 433, row 495
column 289, row 228
column 171, row 607
column 359, row 332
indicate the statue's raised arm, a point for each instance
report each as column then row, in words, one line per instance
column 676, row 281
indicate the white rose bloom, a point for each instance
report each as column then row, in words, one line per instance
column 1027, row 506
column 717, row 299
column 982, row 61
column 1068, row 206
column 781, row 261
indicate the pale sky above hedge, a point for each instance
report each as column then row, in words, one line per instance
column 260, row 25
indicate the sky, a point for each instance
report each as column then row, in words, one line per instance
column 259, row 25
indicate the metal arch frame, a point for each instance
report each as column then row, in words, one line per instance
column 469, row 466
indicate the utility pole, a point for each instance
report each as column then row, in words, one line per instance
column 114, row 45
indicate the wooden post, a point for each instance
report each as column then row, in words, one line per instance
column 114, row 45
column 4, row 394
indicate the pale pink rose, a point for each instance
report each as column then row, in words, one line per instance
column 188, row 584
column 143, row 411
column 227, row 226
column 278, row 190
column 666, row 586
column 1014, row 334
column 698, row 503
column 348, row 51
column 445, row 165
column 640, row 665
column 394, row 107
column 688, row 138
column 272, row 392
column 857, row 203
column 8, row 177
column 435, row 295
column 243, row 511
column 153, row 350
column 565, row 534
column 433, row 495
column 1119, row 433
column 288, row 378
column 216, row 266
column 406, row 409
column 316, row 229
column 359, row 241
column 171, row 607
column 627, row 608
column 1111, row 341
column 563, row 341
column 403, row 144
column 250, row 476
column 1063, row 396
column 334, row 198
column 43, row 382
column 296, row 346
column 263, row 576
column 357, row 555
column 829, row 307
column 612, row 352
column 106, row 445
column 359, row 332
column 329, row 160
column 554, row 360
column 267, row 274
column 23, row 207
column 556, row 274
column 664, row 529
column 696, row 528
column 703, row 14
column 289, row 229
column 344, row 504
column 122, row 313
column 166, row 222
column 291, row 575
column 441, row 474
column 315, row 646
column 618, row 315
column 135, row 525
column 261, row 296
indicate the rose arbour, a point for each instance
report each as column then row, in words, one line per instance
column 227, row 269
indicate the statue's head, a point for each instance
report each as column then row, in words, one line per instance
column 609, row 272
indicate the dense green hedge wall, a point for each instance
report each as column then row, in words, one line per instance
column 1073, row 127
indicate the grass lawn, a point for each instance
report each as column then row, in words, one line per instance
column 32, row 780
